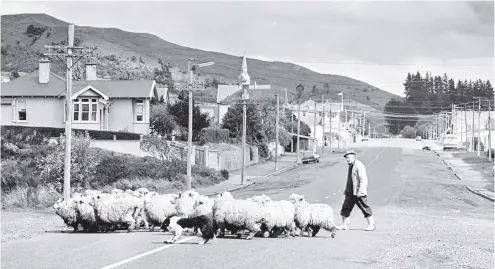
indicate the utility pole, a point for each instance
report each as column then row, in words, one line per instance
column 245, row 81
column 489, row 132
column 330, row 116
column 190, row 63
column 472, row 136
column 465, row 123
column 299, row 89
column 292, row 131
column 68, row 102
column 276, row 134
column 314, row 128
column 479, row 124
column 323, row 124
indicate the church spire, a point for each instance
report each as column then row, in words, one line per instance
column 244, row 77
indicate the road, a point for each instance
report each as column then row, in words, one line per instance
column 425, row 219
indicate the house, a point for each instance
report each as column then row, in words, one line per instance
column 308, row 116
column 38, row 99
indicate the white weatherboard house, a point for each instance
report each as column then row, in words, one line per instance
column 38, row 99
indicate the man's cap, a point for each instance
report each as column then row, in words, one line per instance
column 349, row 152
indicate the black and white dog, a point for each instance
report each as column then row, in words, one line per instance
column 176, row 225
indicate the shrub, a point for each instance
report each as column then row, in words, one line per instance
column 40, row 133
column 214, row 135
column 30, row 197
column 156, row 146
column 224, row 173
column 84, row 161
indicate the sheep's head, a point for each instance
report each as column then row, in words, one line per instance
column 189, row 194
column 296, row 198
column 261, row 199
column 58, row 203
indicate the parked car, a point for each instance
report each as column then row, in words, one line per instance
column 365, row 138
column 418, row 138
column 310, row 157
column 451, row 141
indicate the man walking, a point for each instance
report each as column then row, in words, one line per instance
column 355, row 192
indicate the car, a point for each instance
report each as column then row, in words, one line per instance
column 450, row 141
column 426, row 147
column 365, row 138
column 418, row 138
column 310, row 157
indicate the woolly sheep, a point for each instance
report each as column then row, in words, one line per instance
column 278, row 216
column 312, row 216
column 117, row 210
column 158, row 207
column 117, row 191
column 240, row 214
column 260, row 199
column 85, row 214
column 66, row 211
column 184, row 205
column 203, row 206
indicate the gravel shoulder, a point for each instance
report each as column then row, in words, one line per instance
column 24, row 225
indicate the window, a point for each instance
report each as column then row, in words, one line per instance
column 21, row 111
column 85, row 110
column 139, row 110
column 304, row 114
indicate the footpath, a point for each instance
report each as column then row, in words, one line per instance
column 252, row 174
column 477, row 175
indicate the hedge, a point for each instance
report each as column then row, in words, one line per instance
column 56, row 132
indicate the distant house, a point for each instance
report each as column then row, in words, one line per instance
column 38, row 99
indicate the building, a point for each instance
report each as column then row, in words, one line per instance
column 228, row 95
column 38, row 99
column 322, row 121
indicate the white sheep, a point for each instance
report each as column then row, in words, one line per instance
column 203, row 206
column 67, row 212
column 312, row 216
column 184, row 205
column 117, row 191
column 158, row 207
column 278, row 216
column 260, row 198
column 234, row 214
column 113, row 209
column 85, row 213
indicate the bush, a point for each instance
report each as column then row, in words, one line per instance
column 30, row 197
column 84, row 161
column 37, row 134
column 408, row 132
column 224, row 173
column 214, row 135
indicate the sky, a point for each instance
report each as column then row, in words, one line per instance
column 376, row 42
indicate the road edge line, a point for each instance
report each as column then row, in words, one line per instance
column 480, row 194
column 113, row 265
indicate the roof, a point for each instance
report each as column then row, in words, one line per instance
column 258, row 92
column 29, row 86
column 225, row 91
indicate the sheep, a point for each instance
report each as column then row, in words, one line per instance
column 158, row 207
column 260, row 199
column 184, row 205
column 85, row 214
column 117, row 191
column 65, row 210
column 202, row 206
column 237, row 214
column 278, row 216
column 312, row 216
column 117, row 210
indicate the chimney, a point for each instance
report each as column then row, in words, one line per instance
column 91, row 71
column 44, row 71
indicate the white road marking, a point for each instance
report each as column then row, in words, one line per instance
column 145, row 254
column 378, row 155
column 327, row 197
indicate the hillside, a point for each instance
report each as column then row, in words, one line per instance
column 22, row 47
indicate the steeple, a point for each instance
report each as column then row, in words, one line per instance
column 244, row 77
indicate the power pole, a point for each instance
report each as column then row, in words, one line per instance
column 292, row 131
column 190, row 63
column 489, row 132
column 314, row 128
column 298, row 160
column 276, row 133
column 472, row 136
column 323, row 124
column 340, row 116
column 479, row 125
column 68, row 103
column 465, row 122
column 330, row 116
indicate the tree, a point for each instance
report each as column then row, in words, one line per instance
column 15, row 74
column 232, row 120
column 156, row 146
column 180, row 113
column 408, row 132
column 161, row 122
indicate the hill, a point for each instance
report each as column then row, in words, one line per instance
column 126, row 55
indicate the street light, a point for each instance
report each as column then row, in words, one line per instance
column 190, row 68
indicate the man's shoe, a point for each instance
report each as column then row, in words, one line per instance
column 371, row 222
column 345, row 225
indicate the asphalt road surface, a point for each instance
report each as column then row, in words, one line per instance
column 425, row 219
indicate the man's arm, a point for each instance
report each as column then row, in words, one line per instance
column 363, row 180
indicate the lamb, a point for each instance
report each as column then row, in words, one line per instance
column 117, row 210
column 237, row 214
column 176, row 225
column 157, row 208
column 312, row 216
